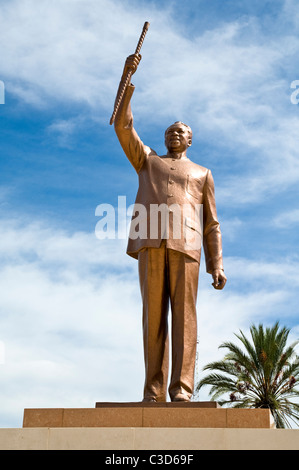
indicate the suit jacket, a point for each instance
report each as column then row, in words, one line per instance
column 171, row 183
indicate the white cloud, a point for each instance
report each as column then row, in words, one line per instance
column 230, row 227
column 227, row 82
column 69, row 339
column 287, row 219
column 64, row 130
column 265, row 273
column 64, row 50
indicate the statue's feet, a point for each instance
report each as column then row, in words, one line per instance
column 180, row 397
column 149, row 400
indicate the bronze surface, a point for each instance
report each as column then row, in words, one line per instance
column 168, row 266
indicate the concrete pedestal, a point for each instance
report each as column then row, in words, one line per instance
column 151, row 427
column 149, row 415
column 153, row 439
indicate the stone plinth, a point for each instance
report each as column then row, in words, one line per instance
column 142, row 439
column 149, row 415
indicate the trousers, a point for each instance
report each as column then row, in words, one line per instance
column 168, row 277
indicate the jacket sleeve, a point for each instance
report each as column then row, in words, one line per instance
column 132, row 145
column 212, row 241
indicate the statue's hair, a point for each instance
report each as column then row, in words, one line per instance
column 183, row 124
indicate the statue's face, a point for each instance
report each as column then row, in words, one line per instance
column 177, row 138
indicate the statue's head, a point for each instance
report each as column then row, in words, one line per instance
column 178, row 137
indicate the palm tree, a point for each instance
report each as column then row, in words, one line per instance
column 263, row 374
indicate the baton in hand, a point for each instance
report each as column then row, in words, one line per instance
column 128, row 76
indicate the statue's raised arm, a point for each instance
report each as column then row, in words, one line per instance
column 132, row 145
column 126, row 79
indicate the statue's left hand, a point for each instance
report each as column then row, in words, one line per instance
column 219, row 279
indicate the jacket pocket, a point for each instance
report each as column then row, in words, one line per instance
column 193, row 186
column 192, row 234
column 193, row 224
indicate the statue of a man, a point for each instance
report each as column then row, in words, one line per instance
column 168, row 264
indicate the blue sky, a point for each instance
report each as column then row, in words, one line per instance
column 70, row 308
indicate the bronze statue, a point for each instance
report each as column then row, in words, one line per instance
column 168, row 264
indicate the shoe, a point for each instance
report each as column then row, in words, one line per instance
column 149, row 400
column 180, row 397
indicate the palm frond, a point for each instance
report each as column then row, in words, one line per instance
column 264, row 374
